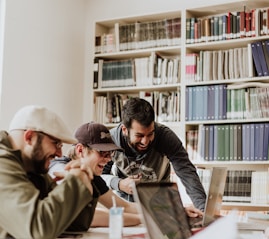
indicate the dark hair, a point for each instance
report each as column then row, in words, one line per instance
column 137, row 109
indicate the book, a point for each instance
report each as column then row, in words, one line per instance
column 265, row 45
column 242, row 24
column 260, row 187
column 211, row 145
column 97, row 44
column 246, row 142
column 188, row 30
column 95, row 73
column 238, row 142
column 265, row 142
column 256, row 59
column 237, row 186
column 118, row 73
column 262, row 58
column 258, row 141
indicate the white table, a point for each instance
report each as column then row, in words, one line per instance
column 137, row 232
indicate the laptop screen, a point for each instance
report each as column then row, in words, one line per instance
column 162, row 210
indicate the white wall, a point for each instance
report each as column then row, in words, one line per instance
column 43, row 63
column 2, row 27
column 48, row 51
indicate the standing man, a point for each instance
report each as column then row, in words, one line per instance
column 31, row 204
column 149, row 148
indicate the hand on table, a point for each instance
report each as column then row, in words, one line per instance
column 126, row 185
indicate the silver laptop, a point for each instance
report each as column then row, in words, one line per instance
column 163, row 212
column 214, row 198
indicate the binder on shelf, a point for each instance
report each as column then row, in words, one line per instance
column 262, row 58
column 265, row 45
column 95, row 73
column 256, row 59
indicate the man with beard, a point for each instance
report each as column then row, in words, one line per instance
column 149, row 148
column 31, row 204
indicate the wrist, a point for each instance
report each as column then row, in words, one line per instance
column 114, row 183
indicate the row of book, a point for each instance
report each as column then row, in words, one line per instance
column 218, row 65
column 220, row 102
column 143, row 71
column 166, row 106
column 229, row 142
column 230, row 25
column 246, row 103
column 236, row 63
column 139, row 35
column 246, row 186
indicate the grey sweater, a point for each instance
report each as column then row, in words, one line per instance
column 154, row 165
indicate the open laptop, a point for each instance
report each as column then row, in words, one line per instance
column 214, row 198
column 163, row 212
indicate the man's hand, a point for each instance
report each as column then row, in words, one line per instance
column 80, row 170
column 193, row 212
column 125, row 185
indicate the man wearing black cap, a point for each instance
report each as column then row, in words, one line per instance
column 95, row 148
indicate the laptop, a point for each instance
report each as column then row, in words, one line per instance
column 214, row 198
column 163, row 212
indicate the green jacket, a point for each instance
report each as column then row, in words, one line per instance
column 32, row 206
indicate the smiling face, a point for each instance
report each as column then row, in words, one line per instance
column 41, row 149
column 139, row 137
column 95, row 159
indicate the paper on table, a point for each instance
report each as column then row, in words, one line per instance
column 222, row 228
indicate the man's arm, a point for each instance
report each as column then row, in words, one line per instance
column 183, row 167
column 101, row 217
column 111, row 180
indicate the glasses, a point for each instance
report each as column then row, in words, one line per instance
column 58, row 144
column 106, row 154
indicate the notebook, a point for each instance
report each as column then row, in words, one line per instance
column 163, row 212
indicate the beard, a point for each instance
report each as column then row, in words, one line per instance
column 38, row 158
column 134, row 146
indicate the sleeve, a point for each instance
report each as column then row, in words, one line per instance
column 100, row 185
column 84, row 219
column 111, row 180
column 20, row 198
column 184, row 169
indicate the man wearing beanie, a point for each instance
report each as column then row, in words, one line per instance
column 95, row 147
column 32, row 205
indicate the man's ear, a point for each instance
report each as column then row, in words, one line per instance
column 124, row 130
column 28, row 135
column 79, row 149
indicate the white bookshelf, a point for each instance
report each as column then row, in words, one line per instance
column 181, row 126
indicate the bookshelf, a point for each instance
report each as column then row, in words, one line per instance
column 187, row 88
